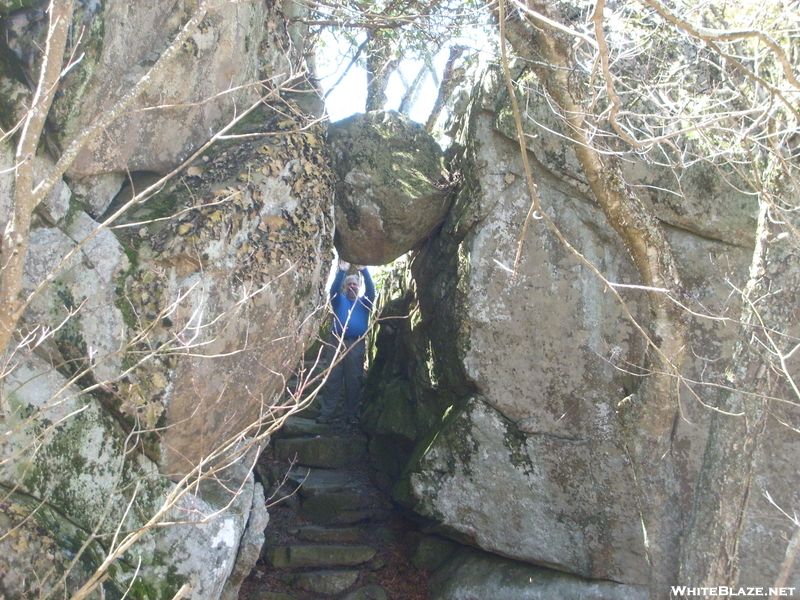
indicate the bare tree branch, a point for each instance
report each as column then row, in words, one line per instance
column 26, row 199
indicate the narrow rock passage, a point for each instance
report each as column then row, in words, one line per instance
column 332, row 535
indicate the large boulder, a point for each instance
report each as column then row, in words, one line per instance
column 391, row 189
column 188, row 322
column 151, row 360
column 123, row 41
column 555, row 508
column 502, row 391
column 701, row 198
column 222, row 65
column 224, row 287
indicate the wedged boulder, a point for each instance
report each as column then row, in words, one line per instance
column 391, row 189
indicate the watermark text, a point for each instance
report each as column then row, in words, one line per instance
column 685, row 591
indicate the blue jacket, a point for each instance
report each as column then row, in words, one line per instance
column 353, row 313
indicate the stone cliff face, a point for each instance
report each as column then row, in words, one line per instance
column 146, row 369
column 153, row 354
column 246, row 258
column 502, row 393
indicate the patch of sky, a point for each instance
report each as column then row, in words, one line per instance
column 345, row 84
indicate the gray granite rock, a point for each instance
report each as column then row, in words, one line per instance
column 391, row 192
column 471, row 575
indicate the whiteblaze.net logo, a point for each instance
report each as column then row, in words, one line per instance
column 684, row 591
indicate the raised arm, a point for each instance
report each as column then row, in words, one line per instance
column 369, row 287
column 336, row 286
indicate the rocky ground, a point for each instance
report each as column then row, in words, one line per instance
column 332, row 533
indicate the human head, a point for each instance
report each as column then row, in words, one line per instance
column 352, row 284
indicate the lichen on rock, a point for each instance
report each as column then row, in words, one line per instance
column 222, row 275
column 392, row 191
column 529, row 370
column 147, row 364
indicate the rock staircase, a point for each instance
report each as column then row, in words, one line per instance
column 333, row 535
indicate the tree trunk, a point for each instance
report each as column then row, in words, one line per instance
column 450, row 79
column 15, row 236
column 380, row 65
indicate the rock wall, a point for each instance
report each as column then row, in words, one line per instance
column 501, row 392
column 148, row 370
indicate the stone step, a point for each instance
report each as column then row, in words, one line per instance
column 338, row 509
column 321, row 582
column 330, row 535
column 347, row 517
column 328, row 452
column 368, row 592
column 313, row 482
column 311, row 412
column 333, row 525
column 318, row 555
column 336, row 502
column 267, row 595
column 293, row 384
column 301, row 426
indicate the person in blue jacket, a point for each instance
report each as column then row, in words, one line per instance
column 351, row 314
